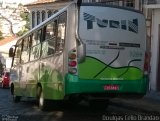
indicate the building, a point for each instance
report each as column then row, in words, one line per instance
column 10, row 24
column 10, row 20
column 153, row 10
column 43, row 9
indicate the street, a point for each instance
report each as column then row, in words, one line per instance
column 27, row 110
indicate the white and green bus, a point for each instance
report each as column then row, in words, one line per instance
column 85, row 49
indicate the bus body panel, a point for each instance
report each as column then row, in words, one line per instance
column 32, row 70
column 14, row 77
column 51, row 76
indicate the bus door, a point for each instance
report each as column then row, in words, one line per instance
column 17, row 69
column 33, row 67
column 24, row 65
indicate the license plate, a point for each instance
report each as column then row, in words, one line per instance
column 111, row 87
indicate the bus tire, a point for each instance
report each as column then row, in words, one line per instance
column 16, row 99
column 41, row 101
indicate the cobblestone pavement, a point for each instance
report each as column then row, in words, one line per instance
column 118, row 109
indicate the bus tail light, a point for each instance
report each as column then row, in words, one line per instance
column 72, row 61
column 72, row 70
column 72, row 56
column 147, row 63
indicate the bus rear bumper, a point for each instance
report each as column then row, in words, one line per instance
column 74, row 85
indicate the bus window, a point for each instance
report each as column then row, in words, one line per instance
column 17, row 53
column 48, row 46
column 61, row 32
column 49, row 31
column 25, row 51
column 36, row 46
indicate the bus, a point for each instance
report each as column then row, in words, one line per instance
column 84, row 50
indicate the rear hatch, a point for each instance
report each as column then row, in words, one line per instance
column 115, row 43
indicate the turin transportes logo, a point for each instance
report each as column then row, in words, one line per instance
column 129, row 25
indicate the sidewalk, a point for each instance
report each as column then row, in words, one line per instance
column 150, row 103
column 153, row 96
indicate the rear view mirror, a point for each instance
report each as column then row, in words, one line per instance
column 11, row 52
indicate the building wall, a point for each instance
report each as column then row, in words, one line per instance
column 48, row 9
column 154, row 48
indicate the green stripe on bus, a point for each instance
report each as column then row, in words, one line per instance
column 92, row 67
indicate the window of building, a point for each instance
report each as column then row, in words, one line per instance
column 49, row 13
column 43, row 15
column 55, row 11
column 33, row 19
column 38, row 17
column 129, row 3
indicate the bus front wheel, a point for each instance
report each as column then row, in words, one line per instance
column 15, row 98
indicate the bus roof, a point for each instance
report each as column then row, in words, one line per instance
column 112, row 6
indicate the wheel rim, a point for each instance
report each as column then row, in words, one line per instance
column 41, row 100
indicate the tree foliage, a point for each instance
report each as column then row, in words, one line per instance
column 25, row 17
column 1, row 36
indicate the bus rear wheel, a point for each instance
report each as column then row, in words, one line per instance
column 43, row 104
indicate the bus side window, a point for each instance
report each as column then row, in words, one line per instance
column 48, row 46
column 36, row 46
column 61, row 32
column 52, row 40
column 25, row 50
column 30, row 46
column 17, row 56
